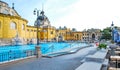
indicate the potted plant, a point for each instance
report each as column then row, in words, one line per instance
column 102, row 45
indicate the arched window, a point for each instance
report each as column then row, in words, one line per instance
column 5, row 11
column 93, row 36
column 13, row 25
column 12, row 13
column 23, row 27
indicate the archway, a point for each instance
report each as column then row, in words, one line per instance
column 77, row 36
column 60, row 38
column 93, row 36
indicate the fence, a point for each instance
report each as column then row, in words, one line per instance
column 12, row 55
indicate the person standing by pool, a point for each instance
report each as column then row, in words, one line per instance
column 97, row 44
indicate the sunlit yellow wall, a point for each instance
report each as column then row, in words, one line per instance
column 69, row 36
column 48, row 33
column 6, row 31
column 31, row 32
column 44, row 33
column 51, row 33
column 22, row 31
column 63, row 32
column 77, row 35
column 27, row 32
column 1, row 26
column 5, row 25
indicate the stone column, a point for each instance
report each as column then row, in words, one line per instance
column 38, row 52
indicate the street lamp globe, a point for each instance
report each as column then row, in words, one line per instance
column 112, row 26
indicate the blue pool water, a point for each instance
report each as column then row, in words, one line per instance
column 14, row 52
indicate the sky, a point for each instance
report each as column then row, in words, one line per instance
column 79, row 14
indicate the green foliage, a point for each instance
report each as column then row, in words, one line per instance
column 106, row 33
column 102, row 46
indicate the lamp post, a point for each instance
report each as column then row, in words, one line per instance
column 40, row 18
column 112, row 33
column 38, row 22
column 37, row 12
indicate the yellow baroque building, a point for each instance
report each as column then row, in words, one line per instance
column 77, row 36
column 48, row 33
column 12, row 25
column 9, row 25
column 62, row 33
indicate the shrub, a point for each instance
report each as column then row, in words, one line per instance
column 102, row 46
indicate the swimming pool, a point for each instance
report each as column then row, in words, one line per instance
column 14, row 52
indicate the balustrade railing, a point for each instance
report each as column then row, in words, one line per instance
column 12, row 55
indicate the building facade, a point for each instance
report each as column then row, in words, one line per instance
column 12, row 24
column 77, row 36
column 92, row 35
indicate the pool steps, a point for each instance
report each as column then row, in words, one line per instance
column 64, row 52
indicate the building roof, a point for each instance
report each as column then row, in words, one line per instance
column 5, row 9
column 3, row 2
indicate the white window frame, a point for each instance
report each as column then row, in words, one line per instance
column 13, row 25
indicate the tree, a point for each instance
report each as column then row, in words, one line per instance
column 106, row 33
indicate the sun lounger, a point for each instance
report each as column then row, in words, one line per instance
column 97, row 57
column 112, row 68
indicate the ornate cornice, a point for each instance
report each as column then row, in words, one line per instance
column 8, row 15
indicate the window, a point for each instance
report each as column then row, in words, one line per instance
column 51, row 32
column 23, row 27
column 77, row 36
column 34, row 30
column 0, row 25
column 5, row 11
column 27, row 29
column 13, row 25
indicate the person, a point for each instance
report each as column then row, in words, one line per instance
column 112, row 46
column 97, row 44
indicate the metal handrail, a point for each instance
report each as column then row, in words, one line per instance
column 52, row 47
column 49, row 48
